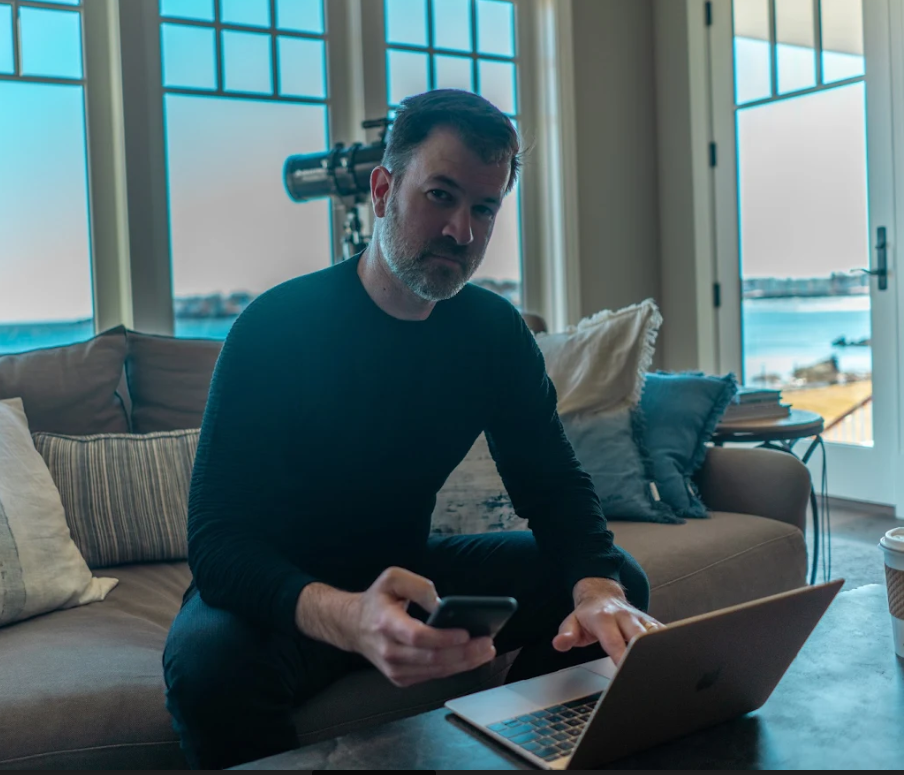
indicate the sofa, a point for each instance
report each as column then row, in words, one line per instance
column 83, row 687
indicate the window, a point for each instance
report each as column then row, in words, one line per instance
column 245, row 87
column 800, row 106
column 46, row 293
column 463, row 44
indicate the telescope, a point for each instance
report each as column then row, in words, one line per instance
column 343, row 173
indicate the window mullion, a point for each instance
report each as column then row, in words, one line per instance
column 106, row 166
column 145, row 150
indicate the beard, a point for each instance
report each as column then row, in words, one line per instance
column 413, row 262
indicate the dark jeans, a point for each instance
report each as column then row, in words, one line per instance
column 231, row 687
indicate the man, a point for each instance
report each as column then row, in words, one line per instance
column 341, row 402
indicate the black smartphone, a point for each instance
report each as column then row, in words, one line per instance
column 481, row 616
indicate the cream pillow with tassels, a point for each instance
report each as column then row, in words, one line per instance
column 599, row 364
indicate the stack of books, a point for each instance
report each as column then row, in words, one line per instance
column 753, row 404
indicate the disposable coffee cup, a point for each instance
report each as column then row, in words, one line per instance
column 892, row 544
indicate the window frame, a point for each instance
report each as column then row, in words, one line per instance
column 94, row 75
column 725, row 216
column 525, row 113
column 128, row 195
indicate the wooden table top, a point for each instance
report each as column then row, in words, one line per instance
column 799, row 425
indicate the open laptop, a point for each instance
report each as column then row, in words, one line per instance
column 688, row 676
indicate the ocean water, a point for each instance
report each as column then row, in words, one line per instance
column 780, row 335
column 32, row 336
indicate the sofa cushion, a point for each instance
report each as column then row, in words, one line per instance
column 72, row 389
column 84, row 688
column 705, row 565
column 125, row 495
column 169, row 380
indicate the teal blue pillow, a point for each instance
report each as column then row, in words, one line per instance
column 609, row 446
column 680, row 414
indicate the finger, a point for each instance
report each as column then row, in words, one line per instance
column 609, row 635
column 457, row 658
column 405, row 585
column 631, row 626
column 567, row 637
column 408, row 631
column 415, row 673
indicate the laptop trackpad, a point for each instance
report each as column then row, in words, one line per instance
column 561, row 686
column 516, row 699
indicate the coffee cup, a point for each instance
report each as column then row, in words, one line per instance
column 892, row 544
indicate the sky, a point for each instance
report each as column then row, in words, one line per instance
column 802, row 165
column 802, row 168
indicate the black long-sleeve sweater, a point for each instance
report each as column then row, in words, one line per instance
column 331, row 426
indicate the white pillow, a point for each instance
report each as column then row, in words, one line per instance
column 600, row 364
column 41, row 569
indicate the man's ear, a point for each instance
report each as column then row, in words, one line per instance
column 380, row 184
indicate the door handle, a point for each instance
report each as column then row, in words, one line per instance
column 881, row 270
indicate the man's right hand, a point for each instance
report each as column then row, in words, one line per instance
column 405, row 650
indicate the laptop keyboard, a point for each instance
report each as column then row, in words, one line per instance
column 550, row 733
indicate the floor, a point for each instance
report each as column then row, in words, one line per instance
column 856, row 531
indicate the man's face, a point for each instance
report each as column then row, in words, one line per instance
column 438, row 218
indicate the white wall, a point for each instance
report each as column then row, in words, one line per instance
column 615, row 85
column 687, row 258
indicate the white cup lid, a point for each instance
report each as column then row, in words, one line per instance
column 893, row 540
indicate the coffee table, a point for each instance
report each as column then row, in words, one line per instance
column 840, row 706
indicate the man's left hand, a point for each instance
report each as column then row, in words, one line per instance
column 602, row 614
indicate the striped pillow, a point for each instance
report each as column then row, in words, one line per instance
column 125, row 495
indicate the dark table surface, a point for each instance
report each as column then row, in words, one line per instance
column 840, row 706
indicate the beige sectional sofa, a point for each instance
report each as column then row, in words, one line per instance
column 83, row 688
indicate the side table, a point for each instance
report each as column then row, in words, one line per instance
column 783, row 434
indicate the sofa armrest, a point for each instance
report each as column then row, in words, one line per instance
column 761, row 482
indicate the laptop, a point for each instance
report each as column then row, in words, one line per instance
column 690, row 675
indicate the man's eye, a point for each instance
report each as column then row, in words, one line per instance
column 442, row 196
column 486, row 212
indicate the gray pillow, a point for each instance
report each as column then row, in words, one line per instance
column 169, row 380
column 125, row 495
column 72, row 389
column 609, row 446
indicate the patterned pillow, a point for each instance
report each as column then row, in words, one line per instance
column 473, row 499
column 125, row 495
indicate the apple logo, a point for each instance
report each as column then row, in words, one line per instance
column 709, row 680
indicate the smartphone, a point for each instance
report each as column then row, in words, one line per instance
column 481, row 616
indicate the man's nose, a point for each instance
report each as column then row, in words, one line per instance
column 458, row 227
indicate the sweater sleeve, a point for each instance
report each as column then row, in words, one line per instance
column 538, row 466
column 240, row 480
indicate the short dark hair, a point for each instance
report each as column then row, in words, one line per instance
column 483, row 128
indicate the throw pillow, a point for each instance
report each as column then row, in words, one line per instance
column 73, row 389
column 125, row 496
column 610, row 447
column 474, row 499
column 169, row 380
column 41, row 569
column 681, row 412
column 600, row 363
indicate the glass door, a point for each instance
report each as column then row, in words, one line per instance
column 807, row 112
